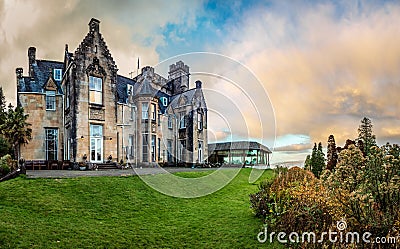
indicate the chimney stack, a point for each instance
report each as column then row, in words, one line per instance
column 198, row 84
column 31, row 59
column 19, row 71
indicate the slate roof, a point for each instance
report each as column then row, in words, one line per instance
column 41, row 73
column 160, row 104
column 189, row 94
column 238, row 145
column 43, row 68
column 122, row 83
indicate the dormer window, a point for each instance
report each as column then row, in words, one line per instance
column 164, row 101
column 57, row 74
column 96, row 90
column 50, row 100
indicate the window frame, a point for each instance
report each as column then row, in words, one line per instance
column 132, row 113
column 164, row 101
column 131, row 143
column 182, row 120
column 57, row 72
column 170, row 124
column 153, row 148
column 54, row 139
column 50, row 100
column 199, row 121
column 94, row 83
column 169, row 151
column 145, row 111
column 145, row 148
column 153, row 111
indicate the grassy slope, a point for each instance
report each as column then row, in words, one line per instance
column 124, row 212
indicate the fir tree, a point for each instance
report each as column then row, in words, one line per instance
column 332, row 154
column 316, row 163
column 366, row 136
column 307, row 163
column 2, row 106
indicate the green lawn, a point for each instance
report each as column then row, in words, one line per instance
column 123, row 212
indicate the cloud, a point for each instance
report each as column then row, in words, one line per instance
column 325, row 65
column 295, row 148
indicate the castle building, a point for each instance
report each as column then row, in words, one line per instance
column 82, row 110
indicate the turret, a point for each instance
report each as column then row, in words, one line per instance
column 179, row 73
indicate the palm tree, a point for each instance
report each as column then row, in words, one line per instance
column 15, row 129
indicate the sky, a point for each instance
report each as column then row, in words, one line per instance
column 294, row 71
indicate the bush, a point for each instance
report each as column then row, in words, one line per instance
column 5, row 147
column 296, row 201
column 368, row 187
column 5, row 163
column 262, row 202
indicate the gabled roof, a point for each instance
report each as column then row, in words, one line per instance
column 238, row 145
column 188, row 95
column 42, row 70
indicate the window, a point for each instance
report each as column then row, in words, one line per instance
column 57, row 74
column 96, row 90
column 153, row 148
column 169, row 122
column 200, row 152
column 145, row 152
column 182, row 120
column 145, row 110
column 159, row 148
column 182, row 150
column 132, row 113
column 50, row 100
column 67, row 96
column 164, row 101
column 153, row 112
column 51, row 143
column 131, row 147
column 169, row 150
column 96, row 143
column 68, row 149
column 200, row 121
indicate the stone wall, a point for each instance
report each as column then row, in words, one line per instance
column 34, row 104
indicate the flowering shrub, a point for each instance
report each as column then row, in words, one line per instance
column 365, row 190
column 296, row 201
column 369, row 187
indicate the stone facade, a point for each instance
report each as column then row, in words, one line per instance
column 100, row 116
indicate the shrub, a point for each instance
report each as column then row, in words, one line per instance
column 262, row 201
column 5, row 163
column 296, row 201
column 368, row 188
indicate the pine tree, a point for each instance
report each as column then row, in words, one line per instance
column 307, row 163
column 366, row 136
column 2, row 106
column 332, row 154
